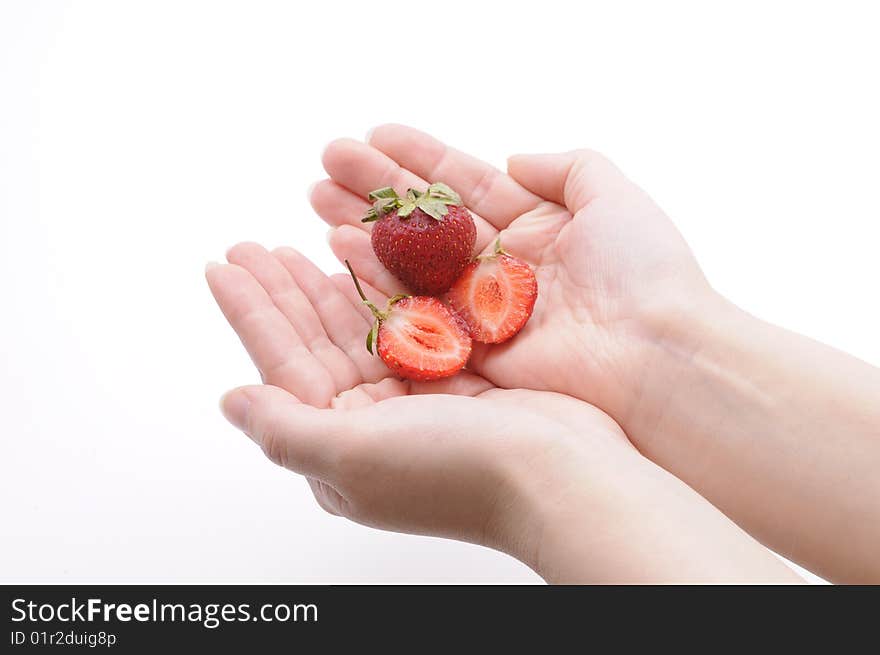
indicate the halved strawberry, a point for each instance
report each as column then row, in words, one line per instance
column 495, row 296
column 422, row 340
column 417, row 337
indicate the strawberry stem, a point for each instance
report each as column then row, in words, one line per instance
column 380, row 316
column 357, row 285
column 373, row 334
column 496, row 250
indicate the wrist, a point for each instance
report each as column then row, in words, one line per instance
column 604, row 514
column 755, row 418
column 677, row 344
column 564, row 493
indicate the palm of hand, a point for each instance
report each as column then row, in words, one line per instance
column 605, row 256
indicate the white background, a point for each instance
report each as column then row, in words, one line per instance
column 139, row 140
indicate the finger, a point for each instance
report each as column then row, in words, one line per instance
column 354, row 245
column 492, row 194
column 274, row 346
column 282, row 289
column 339, row 206
column 297, row 307
column 463, row 383
column 345, row 327
column 533, row 236
column 346, row 287
column 368, row 394
column 361, row 168
column 572, row 179
column 294, row 435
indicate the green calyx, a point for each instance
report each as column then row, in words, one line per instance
column 433, row 202
column 373, row 334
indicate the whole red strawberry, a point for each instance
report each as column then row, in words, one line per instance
column 418, row 337
column 424, row 239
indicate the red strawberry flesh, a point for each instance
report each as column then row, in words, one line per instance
column 422, row 340
column 495, row 296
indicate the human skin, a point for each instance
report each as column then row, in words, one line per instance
column 780, row 432
column 546, row 478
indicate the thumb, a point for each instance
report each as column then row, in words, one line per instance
column 294, row 435
column 571, row 178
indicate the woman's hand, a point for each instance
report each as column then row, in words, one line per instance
column 442, row 457
column 778, row 431
column 612, row 269
column 548, row 479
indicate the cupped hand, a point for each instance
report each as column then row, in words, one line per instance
column 456, row 457
column 546, row 478
column 612, row 270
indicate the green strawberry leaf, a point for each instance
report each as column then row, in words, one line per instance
column 381, row 207
column 434, row 208
column 433, row 202
column 444, row 193
column 406, row 209
column 384, row 192
column 372, row 337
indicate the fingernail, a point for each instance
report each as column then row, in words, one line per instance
column 329, row 234
column 210, row 265
column 310, row 190
column 369, row 134
column 235, row 406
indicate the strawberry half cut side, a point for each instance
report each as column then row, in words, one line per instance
column 417, row 337
column 495, row 296
column 422, row 340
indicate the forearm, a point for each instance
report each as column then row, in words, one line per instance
column 611, row 516
column 780, row 432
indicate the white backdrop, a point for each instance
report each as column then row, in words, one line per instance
column 140, row 139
